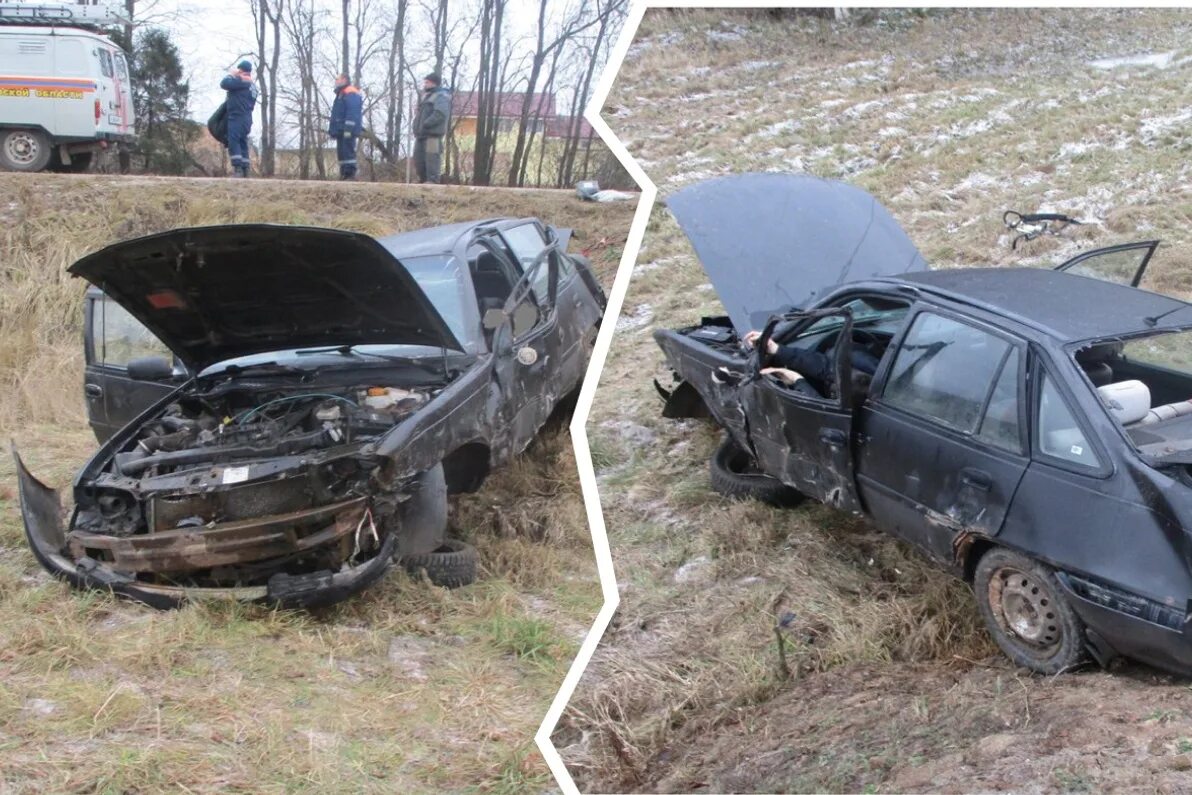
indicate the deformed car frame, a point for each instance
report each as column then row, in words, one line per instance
column 1028, row 429
column 309, row 399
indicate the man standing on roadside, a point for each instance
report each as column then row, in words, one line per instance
column 242, row 98
column 430, row 125
column 347, row 119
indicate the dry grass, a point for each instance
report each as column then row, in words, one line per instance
column 408, row 688
column 949, row 118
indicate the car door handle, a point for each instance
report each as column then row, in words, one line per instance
column 93, row 391
column 833, row 437
column 975, row 479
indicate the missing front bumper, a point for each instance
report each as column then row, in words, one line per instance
column 41, row 511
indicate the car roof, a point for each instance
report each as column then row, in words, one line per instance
column 1066, row 306
column 439, row 239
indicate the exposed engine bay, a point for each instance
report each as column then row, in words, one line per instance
column 230, row 486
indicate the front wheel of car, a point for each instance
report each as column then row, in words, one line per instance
column 735, row 475
column 1026, row 611
column 452, row 565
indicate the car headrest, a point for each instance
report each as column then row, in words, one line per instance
column 1128, row 401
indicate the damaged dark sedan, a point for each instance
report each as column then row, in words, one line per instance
column 1029, row 429
column 283, row 411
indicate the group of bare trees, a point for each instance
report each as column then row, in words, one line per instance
column 507, row 54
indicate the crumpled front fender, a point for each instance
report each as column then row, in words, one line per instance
column 41, row 511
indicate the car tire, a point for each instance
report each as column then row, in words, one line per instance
column 452, row 565
column 735, row 475
column 1026, row 611
column 24, row 150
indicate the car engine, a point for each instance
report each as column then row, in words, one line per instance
column 230, row 487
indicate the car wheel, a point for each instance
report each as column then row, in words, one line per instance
column 452, row 565
column 735, row 475
column 24, row 150
column 1026, row 611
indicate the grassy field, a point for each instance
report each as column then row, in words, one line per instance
column 409, row 688
column 890, row 682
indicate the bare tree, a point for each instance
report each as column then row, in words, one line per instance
column 578, row 22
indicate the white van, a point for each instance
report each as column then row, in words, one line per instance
column 64, row 90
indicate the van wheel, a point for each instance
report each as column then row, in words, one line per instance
column 24, row 150
column 735, row 475
column 1025, row 610
column 452, row 565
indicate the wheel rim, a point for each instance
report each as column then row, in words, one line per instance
column 21, row 148
column 1024, row 608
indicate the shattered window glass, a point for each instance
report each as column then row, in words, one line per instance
column 944, row 370
column 1059, row 433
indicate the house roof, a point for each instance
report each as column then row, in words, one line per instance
column 561, row 127
column 509, row 104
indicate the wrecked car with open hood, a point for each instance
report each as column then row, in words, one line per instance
column 283, row 411
column 1029, row 429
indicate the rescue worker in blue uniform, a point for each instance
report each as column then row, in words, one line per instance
column 242, row 99
column 347, row 120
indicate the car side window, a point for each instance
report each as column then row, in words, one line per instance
column 526, row 243
column 944, row 370
column 118, row 337
column 1059, row 433
column 1000, row 425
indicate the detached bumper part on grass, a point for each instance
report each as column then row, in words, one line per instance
column 41, row 511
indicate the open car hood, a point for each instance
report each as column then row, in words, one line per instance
column 214, row 293
column 771, row 242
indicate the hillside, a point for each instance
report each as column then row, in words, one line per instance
column 949, row 118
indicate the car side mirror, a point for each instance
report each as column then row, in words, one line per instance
column 150, row 368
column 492, row 320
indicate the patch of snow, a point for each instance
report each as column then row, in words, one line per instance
column 757, row 66
column 1156, row 126
column 693, row 570
column 891, row 132
column 1158, row 60
column 641, row 315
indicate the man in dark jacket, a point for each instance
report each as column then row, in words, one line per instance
column 347, row 120
column 430, row 125
column 242, row 98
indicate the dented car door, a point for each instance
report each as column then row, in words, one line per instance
column 800, row 436
column 525, row 357
column 942, row 440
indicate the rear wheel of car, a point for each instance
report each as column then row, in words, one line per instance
column 1027, row 613
column 452, row 565
column 735, row 475
column 24, row 150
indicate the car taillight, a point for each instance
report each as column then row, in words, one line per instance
column 97, row 113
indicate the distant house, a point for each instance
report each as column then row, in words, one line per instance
column 562, row 127
column 465, row 108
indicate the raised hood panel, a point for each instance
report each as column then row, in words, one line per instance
column 770, row 242
column 218, row 292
